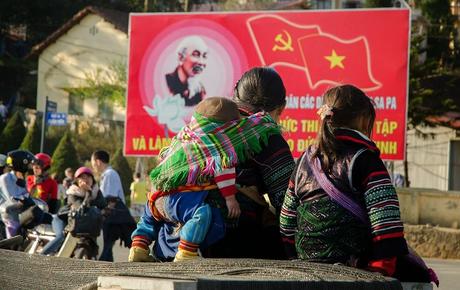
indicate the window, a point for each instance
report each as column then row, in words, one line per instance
column 105, row 110
column 321, row 4
column 351, row 4
column 75, row 104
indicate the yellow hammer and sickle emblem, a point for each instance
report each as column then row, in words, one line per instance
column 282, row 43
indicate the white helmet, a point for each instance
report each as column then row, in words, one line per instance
column 2, row 160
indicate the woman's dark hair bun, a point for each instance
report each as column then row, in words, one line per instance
column 260, row 88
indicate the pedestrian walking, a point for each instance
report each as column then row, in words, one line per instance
column 118, row 223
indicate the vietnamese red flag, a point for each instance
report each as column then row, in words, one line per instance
column 330, row 60
column 275, row 39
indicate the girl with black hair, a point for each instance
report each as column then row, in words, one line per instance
column 341, row 206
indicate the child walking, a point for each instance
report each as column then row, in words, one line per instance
column 201, row 158
column 341, row 206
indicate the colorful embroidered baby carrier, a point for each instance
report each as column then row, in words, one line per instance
column 206, row 146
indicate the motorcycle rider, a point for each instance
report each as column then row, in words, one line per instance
column 17, row 199
column 41, row 185
column 83, row 190
column 2, row 163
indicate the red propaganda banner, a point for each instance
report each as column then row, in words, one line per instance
column 176, row 60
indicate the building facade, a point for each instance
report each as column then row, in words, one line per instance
column 88, row 45
column 433, row 158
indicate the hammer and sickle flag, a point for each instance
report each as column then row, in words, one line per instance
column 275, row 39
column 282, row 43
column 331, row 61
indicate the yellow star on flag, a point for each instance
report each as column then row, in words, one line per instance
column 336, row 60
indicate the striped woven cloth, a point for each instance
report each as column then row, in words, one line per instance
column 206, row 146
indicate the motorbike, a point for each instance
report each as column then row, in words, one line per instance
column 82, row 231
column 37, row 236
column 82, row 247
column 81, row 237
column 31, row 236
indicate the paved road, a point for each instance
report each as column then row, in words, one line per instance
column 448, row 273
column 120, row 253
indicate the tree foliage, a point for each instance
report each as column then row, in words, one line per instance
column 12, row 134
column 53, row 136
column 32, row 139
column 378, row 3
column 92, row 137
column 442, row 46
column 64, row 156
column 38, row 19
column 43, row 17
column 16, row 82
column 434, row 79
column 235, row 5
column 104, row 85
column 121, row 165
column 171, row 5
column 434, row 76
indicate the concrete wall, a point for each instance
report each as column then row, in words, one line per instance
column 93, row 43
column 433, row 242
column 428, row 206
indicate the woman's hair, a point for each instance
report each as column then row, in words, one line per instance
column 345, row 105
column 261, row 89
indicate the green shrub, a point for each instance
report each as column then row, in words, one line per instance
column 12, row 134
column 53, row 136
column 90, row 139
column 378, row 3
column 2, row 126
column 31, row 141
column 64, row 156
column 121, row 165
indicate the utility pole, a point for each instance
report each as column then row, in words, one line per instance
column 148, row 5
column 185, row 5
column 406, row 170
column 42, row 138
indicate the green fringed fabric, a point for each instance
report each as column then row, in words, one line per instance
column 206, row 146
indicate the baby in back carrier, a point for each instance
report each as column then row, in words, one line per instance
column 201, row 158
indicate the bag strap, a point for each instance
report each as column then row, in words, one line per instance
column 334, row 193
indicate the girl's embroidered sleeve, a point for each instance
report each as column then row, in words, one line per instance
column 146, row 230
column 371, row 177
column 288, row 217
